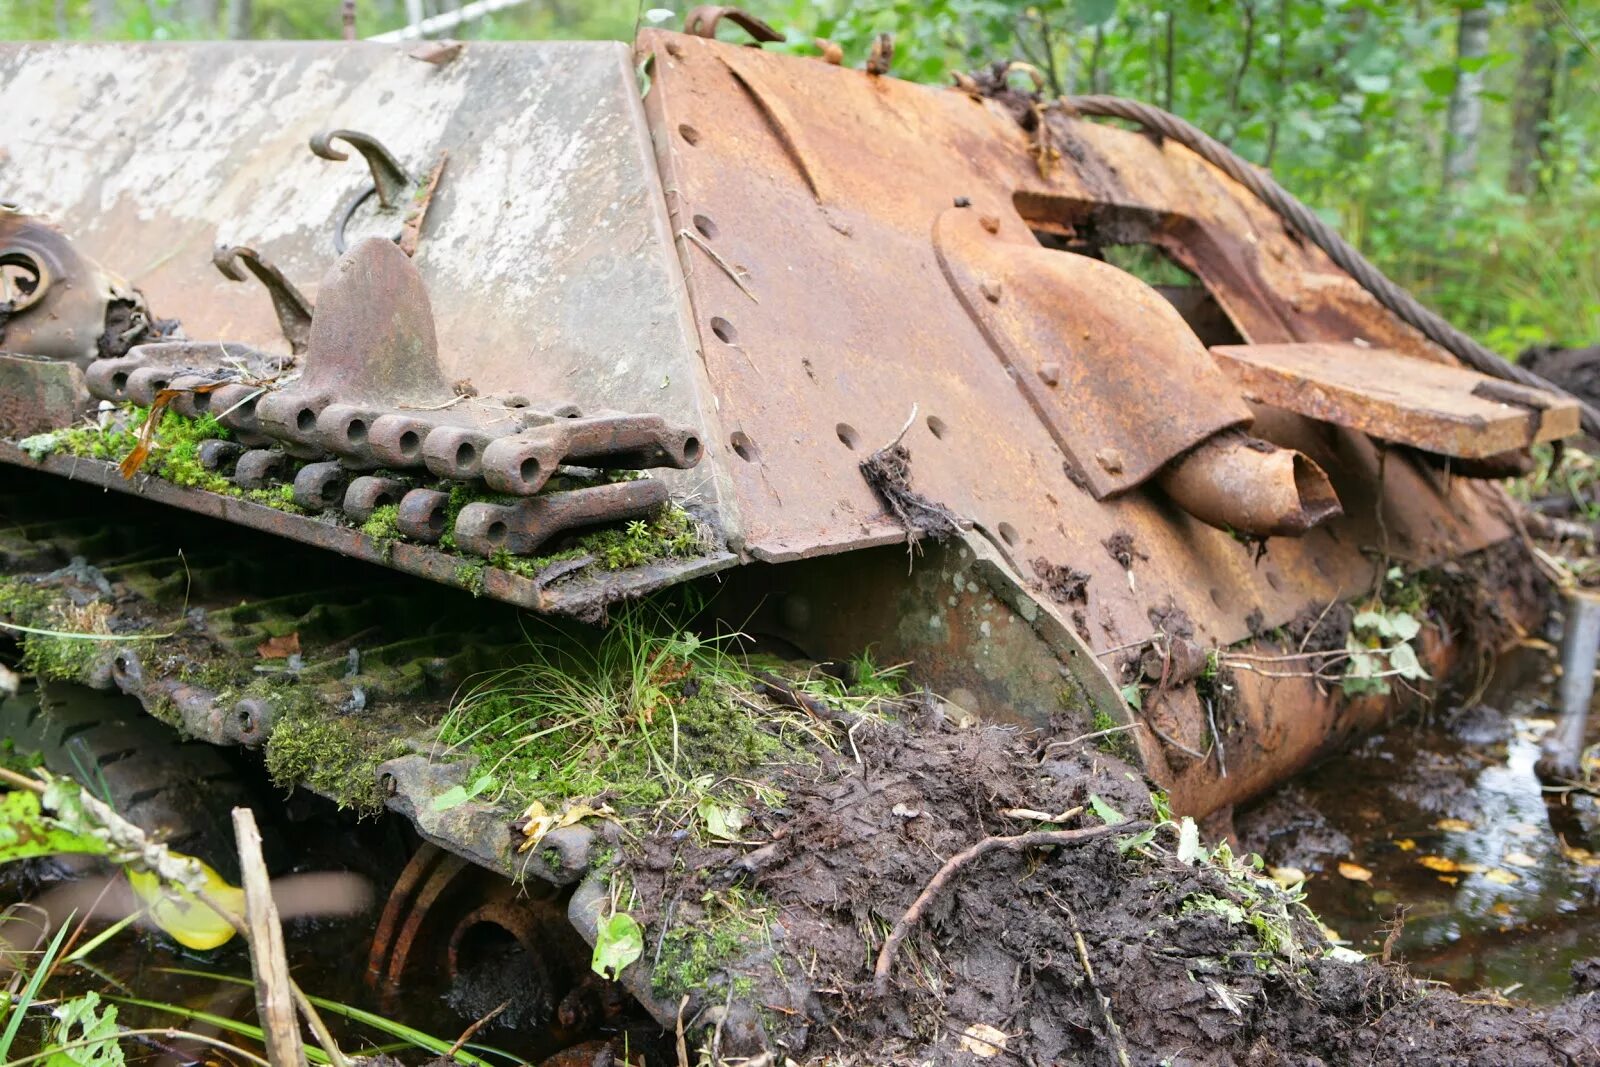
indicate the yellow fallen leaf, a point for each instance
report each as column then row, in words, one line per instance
column 1470, row 868
column 178, row 912
column 1454, row 826
column 983, row 1041
column 1287, row 876
column 1330, row 933
column 1355, row 872
column 536, row 822
column 1502, row 908
column 1405, row 844
column 1449, row 879
column 1501, row 877
column 1437, row 863
column 1579, row 855
column 1519, row 859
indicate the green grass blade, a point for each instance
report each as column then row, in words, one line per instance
column 414, row 1038
column 30, row 992
column 82, row 951
column 221, row 1022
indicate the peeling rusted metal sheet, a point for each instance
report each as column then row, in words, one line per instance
column 1436, row 407
column 806, row 198
column 1094, row 350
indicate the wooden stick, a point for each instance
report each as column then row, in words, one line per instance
column 1033, row 839
column 268, row 959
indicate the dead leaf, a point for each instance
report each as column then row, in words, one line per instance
column 1500, row 876
column 536, row 821
column 1437, row 863
column 1449, row 879
column 1405, row 844
column 436, row 52
column 983, row 1041
column 1453, row 826
column 280, row 647
column 1519, row 859
column 1287, row 876
column 1355, row 872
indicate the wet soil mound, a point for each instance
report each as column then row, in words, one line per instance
column 1110, row 950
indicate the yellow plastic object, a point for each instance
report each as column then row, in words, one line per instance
column 177, row 911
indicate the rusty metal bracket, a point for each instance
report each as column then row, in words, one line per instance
column 293, row 309
column 702, row 22
column 390, row 182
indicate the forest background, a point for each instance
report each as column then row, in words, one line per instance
column 1457, row 144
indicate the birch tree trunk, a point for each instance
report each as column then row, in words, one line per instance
column 103, row 16
column 1536, row 91
column 1465, row 117
column 239, row 20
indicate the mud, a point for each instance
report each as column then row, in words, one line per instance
column 888, row 472
column 1064, row 584
column 1198, row 964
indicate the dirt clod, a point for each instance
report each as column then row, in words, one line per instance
column 1066, row 585
column 888, row 472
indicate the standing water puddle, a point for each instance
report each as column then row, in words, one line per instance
column 1446, row 822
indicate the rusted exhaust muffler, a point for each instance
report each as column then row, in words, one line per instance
column 1237, row 482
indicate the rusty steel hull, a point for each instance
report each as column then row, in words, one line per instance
column 748, row 280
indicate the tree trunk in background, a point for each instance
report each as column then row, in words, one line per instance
column 239, row 27
column 63, row 28
column 103, row 16
column 1536, row 90
column 1466, row 99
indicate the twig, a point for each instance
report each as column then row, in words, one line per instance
column 1216, row 739
column 1100, row 998
column 466, row 1035
column 1033, row 839
column 268, row 961
column 1091, row 737
column 728, row 268
column 1173, row 741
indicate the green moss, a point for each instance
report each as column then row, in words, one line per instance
column 1115, row 744
column 51, row 655
column 469, row 576
column 280, row 497
column 66, row 658
column 381, row 525
column 335, row 755
column 733, row 926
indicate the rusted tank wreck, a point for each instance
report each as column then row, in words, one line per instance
column 536, row 290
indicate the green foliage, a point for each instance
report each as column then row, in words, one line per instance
column 618, row 942
column 86, row 1034
column 1345, row 101
column 1379, row 647
column 25, row 831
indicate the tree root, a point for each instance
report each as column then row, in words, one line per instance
column 1016, row 843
